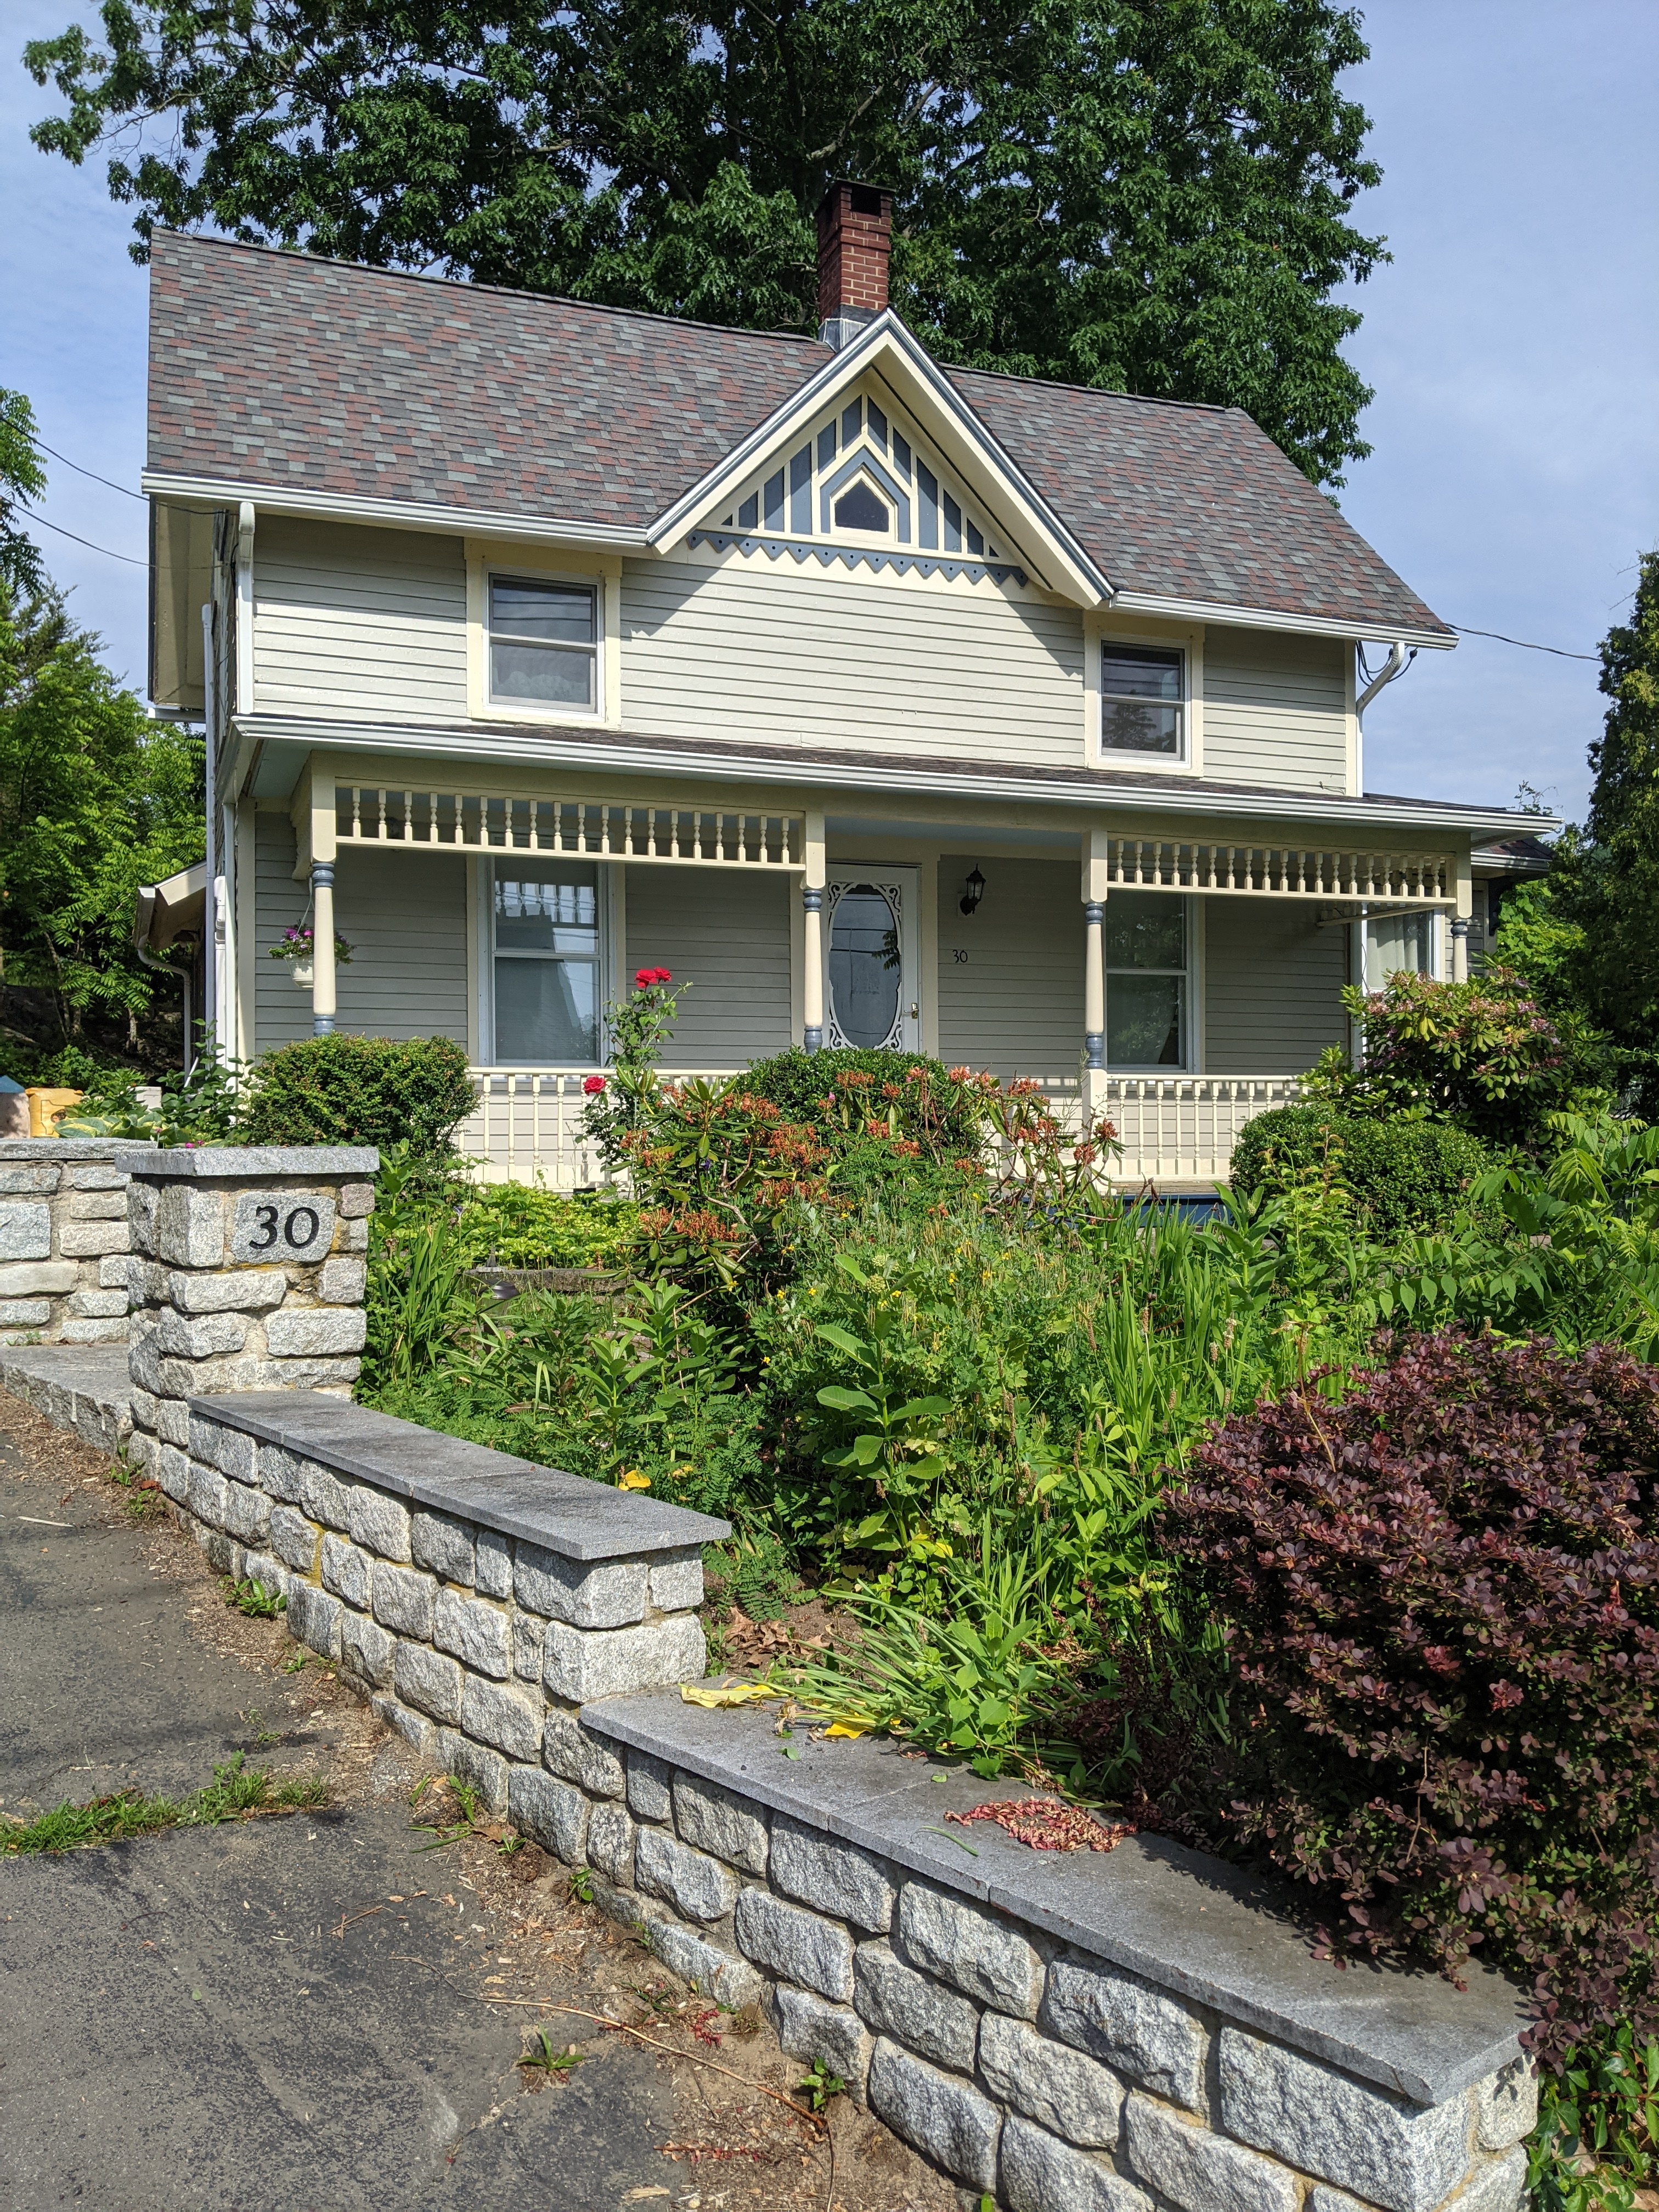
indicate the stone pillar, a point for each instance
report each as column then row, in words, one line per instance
column 63, row 1239
column 248, row 1273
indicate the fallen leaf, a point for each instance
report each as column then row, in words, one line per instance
column 734, row 1693
column 850, row 1729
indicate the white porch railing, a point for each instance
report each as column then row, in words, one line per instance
column 526, row 1126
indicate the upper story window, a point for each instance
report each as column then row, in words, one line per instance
column 1142, row 699
column 544, row 642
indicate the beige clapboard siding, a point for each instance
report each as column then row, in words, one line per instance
column 727, row 935
column 1273, row 982
column 1275, row 710
column 361, row 624
column 772, row 655
column 404, row 916
column 1015, row 1005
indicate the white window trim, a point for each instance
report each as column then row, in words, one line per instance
column 1099, row 633
column 601, row 573
column 610, row 917
column 1192, row 1061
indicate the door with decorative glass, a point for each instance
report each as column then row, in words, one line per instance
column 871, row 987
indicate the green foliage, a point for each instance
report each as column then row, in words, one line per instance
column 95, row 800
column 254, row 1600
column 343, row 1089
column 1608, row 876
column 514, row 1224
column 914, row 1098
column 419, row 1300
column 1484, row 1053
column 1149, row 199
column 235, row 1793
column 1401, row 1175
column 639, row 1027
column 1598, row 2126
column 23, row 478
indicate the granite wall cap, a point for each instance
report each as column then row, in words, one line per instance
column 564, row 1513
column 1187, row 1923
column 70, row 1151
column 237, row 1163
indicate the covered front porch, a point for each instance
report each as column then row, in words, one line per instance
column 1176, row 976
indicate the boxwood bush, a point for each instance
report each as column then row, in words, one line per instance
column 343, row 1089
column 1405, row 1176
column 1441, row 1598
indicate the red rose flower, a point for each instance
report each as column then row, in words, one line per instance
column 645, row 977
column 662, row 975
column 591, row 1085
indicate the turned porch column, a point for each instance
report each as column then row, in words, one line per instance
column 1460, row 928
column 323, row 853
column 1093, row 970
column 812, row 899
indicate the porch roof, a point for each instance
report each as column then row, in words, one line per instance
column 285, row 742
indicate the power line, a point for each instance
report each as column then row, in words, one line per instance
column 1526, row 644
column 87, row 542
column 124, row 490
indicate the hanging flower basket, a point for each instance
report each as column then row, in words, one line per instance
column 295, row 947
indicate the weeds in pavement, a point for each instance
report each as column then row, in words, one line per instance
column 542, row 2058
column 820, row 2085
column 145, row 1500
column 236, row 1793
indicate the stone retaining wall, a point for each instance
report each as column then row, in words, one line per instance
column 63, row 1239
column 1066, row 2033
column 1081, row 2033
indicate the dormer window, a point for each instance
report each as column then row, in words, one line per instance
column 861, row 508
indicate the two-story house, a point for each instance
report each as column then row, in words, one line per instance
column 882, row 703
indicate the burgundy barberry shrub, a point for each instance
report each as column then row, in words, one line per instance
column 1441, row 1598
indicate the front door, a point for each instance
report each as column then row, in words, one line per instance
column 870, row 993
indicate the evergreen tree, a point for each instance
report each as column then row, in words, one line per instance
column 1609, row 872
column 1146, row 195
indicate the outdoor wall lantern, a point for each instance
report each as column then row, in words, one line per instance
column 973, row 891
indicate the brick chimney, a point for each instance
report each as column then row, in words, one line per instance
column 855, row 227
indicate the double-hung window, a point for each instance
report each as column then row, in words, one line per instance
column 1146, row 942
column 1142, row 699
column 547, row 962
column 544, row 643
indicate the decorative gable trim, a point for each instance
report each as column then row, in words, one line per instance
column 1047, row 548
column 852, row 557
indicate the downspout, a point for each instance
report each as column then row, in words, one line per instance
column 1398, row 662
column 210, row 845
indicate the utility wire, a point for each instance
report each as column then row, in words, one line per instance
column 1526, row 644
column 125, row 492
column 87, row 542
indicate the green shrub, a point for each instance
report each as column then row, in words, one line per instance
column 512, row 1224
column 1404, row 1176
column 346, row 1089
column 920, row 1099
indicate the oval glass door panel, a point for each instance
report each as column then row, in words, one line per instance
column 865, row 971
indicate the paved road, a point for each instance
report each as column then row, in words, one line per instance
column 180, row 2024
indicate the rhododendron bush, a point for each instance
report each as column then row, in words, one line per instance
column 1441, row 1597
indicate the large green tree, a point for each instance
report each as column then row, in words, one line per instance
column 96, row 799
column 1607, row 877
column 1152, row 197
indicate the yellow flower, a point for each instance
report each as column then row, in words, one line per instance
column 633, row 1479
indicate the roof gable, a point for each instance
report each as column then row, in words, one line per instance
column 319, row 387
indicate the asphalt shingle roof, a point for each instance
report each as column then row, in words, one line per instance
column 279, row 369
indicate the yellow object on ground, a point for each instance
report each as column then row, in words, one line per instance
column 45, row 1106
column 734, row 1693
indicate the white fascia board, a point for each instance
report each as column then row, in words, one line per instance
column 661, row 756
column 1246, row 617
column 396, row 514
column 886, row 346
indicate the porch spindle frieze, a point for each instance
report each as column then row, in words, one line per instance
column 1160, row 863
column 387, row 818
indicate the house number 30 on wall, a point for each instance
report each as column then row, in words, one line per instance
column 273, row 1225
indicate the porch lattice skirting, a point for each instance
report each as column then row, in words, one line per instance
column 1174, row 1128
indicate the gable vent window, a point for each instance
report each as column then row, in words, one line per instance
column 1142, row 695
column 544, row 642
column 859, row 509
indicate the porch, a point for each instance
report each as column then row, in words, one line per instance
column 1178, row 976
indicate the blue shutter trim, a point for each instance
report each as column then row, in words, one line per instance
column 927, row 502
column 852, row 421
column 952, row 525
column 773, row 497
column 902, row 454
column 748, row 512
column 826, row 445
column 878, row 422
column 800, row 489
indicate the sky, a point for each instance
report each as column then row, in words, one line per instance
column 1513, row 341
